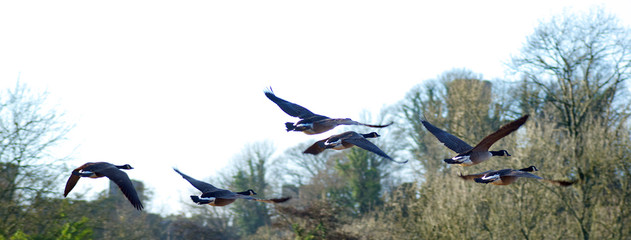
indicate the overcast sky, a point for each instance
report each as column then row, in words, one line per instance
column 158, row 84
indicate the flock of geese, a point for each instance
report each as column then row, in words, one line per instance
column 311, row 123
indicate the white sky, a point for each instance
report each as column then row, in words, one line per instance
column 158, row 84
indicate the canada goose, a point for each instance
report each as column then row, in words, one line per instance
column 111, row 171
column 346, row 140
column 220, row 197
column 508, row 176
column 311, row 123
column 468, row 155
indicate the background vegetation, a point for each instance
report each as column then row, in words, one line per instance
column 570, row 79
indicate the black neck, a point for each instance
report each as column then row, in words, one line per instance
column 528, row 169
column 498, row 153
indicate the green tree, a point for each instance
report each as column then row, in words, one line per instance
column 75, row 231
column 361, row 171
column 250, row 215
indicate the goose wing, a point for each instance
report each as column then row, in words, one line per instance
column 476, row 175
column 320, row 146
column 450, row 141
column 560, row 182
column 201, row 186
column 517, row 173
column 273, row 200
column 316, row 148
column 73, row 179
column 486, row 143
column 290, row 108
column 219, row 193
column 233, row 195
column 124, row 183
column 358, row 140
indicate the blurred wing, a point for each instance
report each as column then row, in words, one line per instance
column 72, row 181
column 124, row 183
column 362, row 142
column 476, row 175
column 201, row 186
column 365, row 144
column 316, row 148
column 450, row 141
column 560, row 182
column 290, row 108
column 486, row 143
column 517, row 173
column 273, row 200
column 239, row 196
column 219, row 193
column 230, row 195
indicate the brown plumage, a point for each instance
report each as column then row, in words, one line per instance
column 111, row 171
column 468, row 155
column 311, row 123
column 214, row 196
column 508, row 176
column 346, row 140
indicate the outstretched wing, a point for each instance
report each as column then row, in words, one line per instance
column 246, row 197
column 316, row 148
column 474, row 176
column 124, row 183
column 360, row 141
column 273, row 200
column 201, row 186
column 486, row 143
column 517, row 173
column 560, row 182
column 290, row 108
column 450, row 141
column 72, row 181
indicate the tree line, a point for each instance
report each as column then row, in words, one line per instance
column 571, row 74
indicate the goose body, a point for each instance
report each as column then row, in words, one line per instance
column 347, row 140
column 311, row 123
column 214, row 196
column 508, row 176
column 468, row 155
column 111, row 171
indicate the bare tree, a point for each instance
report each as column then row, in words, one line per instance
column 28, row 133
column 578, row 64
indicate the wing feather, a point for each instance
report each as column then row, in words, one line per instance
column 72, row 181
column 316, row 148
column 450, row 141
column 358, row 140
column 486, row 143
column 290, row 108
column 124, row 183
column 476, row 175
column 201, row 186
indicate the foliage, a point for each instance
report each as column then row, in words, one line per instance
column 75, row 231
column 571, row 72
